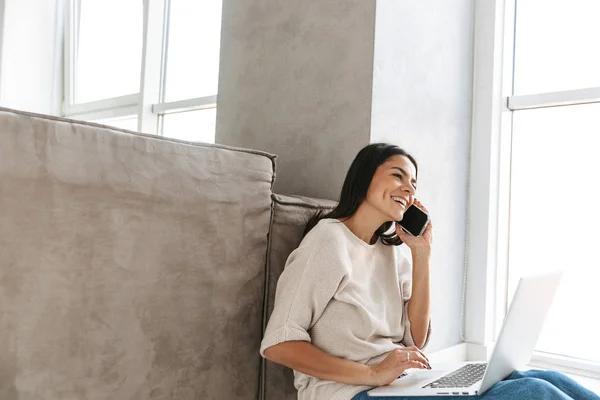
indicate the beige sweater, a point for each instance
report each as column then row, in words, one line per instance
column 344, row 296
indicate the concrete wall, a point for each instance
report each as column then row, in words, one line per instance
column 300, row 79
column 422, row 101
column 30, row 55
column 296, row 80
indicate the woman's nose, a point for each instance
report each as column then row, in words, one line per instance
column 409, row 189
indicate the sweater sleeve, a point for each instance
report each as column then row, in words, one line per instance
column 313, row 274
column 405, row 275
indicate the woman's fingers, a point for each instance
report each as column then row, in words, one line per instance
column 414, row 364
column 423, row 354
column 420, row 357
column 421, row 206
column 400, row 232
column 416, row 349
column 425, row 358
column 414, row 354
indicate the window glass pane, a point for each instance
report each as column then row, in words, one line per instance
column 554, row 219
column 193, row 49
column 556, row 45
column 109, row 54
column 129, row 123
column 193, row 126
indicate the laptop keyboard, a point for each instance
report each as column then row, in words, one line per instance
column 461, row 378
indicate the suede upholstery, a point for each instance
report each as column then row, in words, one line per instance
column 131, row 266
column 290, row 215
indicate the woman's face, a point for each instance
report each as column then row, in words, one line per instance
column 393, row 187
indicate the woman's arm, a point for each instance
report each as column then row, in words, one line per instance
column 418, row 306
column 310, row 360
column 306, row 358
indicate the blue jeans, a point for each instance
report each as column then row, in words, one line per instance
column 534, row 384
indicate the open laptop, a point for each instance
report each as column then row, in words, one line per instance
column 517, row 340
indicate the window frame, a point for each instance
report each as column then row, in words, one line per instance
column 487, row 252
column 148, row 104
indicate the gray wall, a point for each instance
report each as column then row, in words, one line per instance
column 296, row 80
column 301, row 79
column 422, row 101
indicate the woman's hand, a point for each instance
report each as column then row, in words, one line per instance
column 423, row 242
column 398, row 361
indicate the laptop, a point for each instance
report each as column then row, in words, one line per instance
column 513, row 350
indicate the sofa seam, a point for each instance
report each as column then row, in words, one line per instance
column 263, row 363
column 303, row 205
column 273, row 177
column 141, row 134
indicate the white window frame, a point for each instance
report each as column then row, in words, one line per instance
column 148, row 105
column 486, row 272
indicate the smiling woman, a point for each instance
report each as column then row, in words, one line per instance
column 342, row 317
column 350, row 312
column 398, row 170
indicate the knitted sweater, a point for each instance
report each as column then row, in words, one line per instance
column 344, row 296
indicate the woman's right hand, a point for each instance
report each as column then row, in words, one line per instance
column 396, row 363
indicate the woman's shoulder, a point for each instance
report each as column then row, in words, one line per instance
column 326, row 239
column 327, row 229
column 322, row 248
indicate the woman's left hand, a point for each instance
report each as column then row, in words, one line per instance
column 421, row 243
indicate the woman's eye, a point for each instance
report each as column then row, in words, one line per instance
column 398, row 176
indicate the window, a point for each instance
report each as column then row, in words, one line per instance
column 193, row 49
column 192, row 125
column 107, row 62
column 156, row 67
column 554, row 219
column 556, row 46
column 534, row 166
column 130, row 122
column 553, row 194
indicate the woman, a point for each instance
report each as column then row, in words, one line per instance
column 342, row 318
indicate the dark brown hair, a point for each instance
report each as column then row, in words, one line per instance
column 356, row 185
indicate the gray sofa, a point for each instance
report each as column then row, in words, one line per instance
column 137, row 267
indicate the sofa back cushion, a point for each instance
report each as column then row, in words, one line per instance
column 290, row 215
column 131, row 266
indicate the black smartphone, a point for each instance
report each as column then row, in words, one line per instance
column 414, row 221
